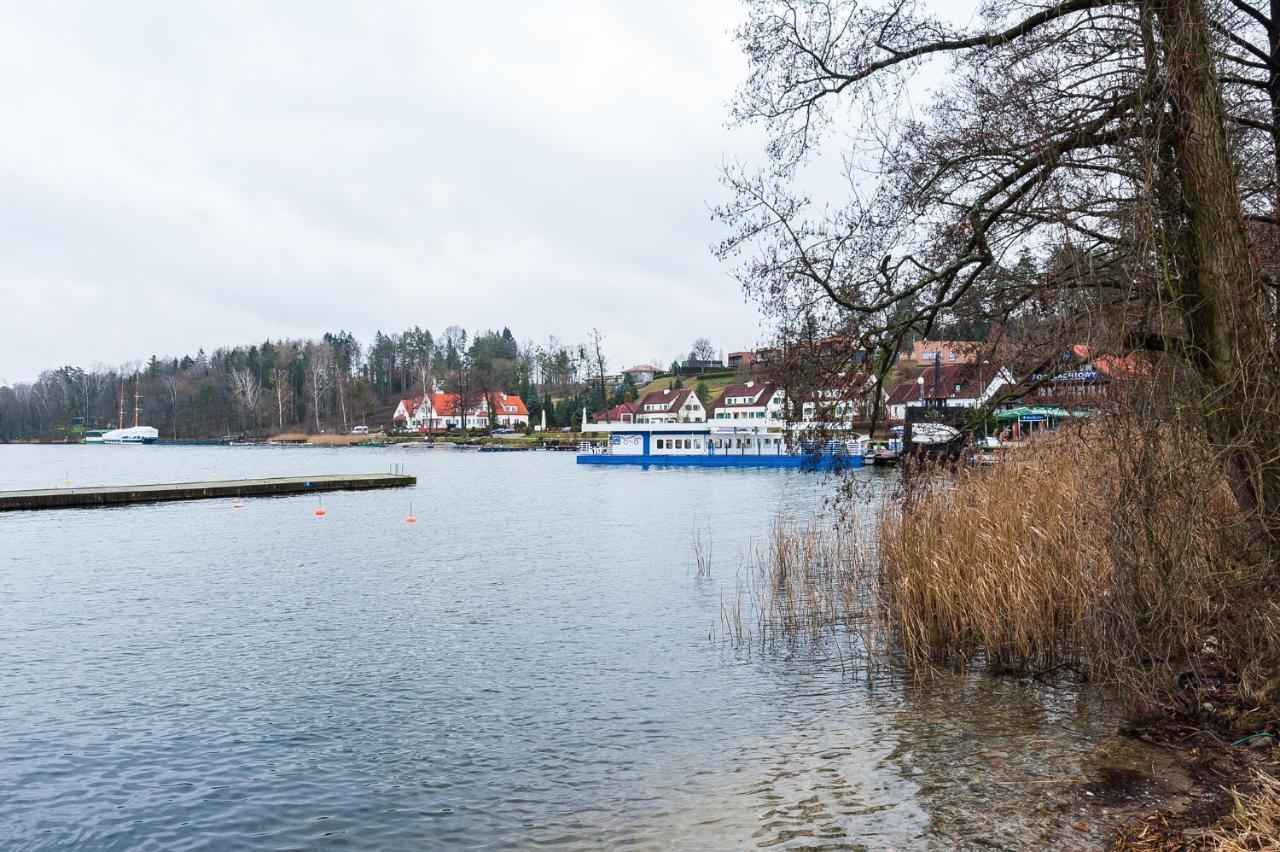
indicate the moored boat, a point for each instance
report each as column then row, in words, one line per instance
column 131, row 435
column 710, row 445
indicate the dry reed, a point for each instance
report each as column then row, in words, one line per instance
column 1254, row 822
column 1115, row 551
column 813, row 585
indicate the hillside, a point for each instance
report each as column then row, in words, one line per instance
column 715, row 382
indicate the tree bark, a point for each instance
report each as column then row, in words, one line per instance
column 1221, row 293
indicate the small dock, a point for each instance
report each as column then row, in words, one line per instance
column 123, row 495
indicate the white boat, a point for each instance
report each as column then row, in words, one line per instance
column 933, row 433
column 132, row 435
column 135, row 434
column 710, row 444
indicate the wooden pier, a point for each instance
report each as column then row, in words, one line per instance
column 121, row 495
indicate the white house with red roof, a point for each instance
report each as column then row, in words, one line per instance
column 757, row 403
column 405, row 412
column 671, row 406
column 950, row 385
column 840, row 407
column 439, row 411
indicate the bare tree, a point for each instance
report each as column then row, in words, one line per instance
column 702, row 350
column 1098, row 129
column 171, row 382
column 597, row 350
column 319, row 375
column 247, row 391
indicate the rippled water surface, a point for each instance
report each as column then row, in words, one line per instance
column 535, row 662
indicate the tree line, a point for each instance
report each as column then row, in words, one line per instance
column 328, row 383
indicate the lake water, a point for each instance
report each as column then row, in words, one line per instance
column 534, row 663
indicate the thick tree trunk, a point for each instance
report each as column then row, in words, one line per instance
column 1222, row 294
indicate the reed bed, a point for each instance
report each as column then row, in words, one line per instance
column 1113, row 551
column 813, row 585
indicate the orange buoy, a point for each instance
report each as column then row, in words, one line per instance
column 321, row 512
column 411, row 520
column 237, row 505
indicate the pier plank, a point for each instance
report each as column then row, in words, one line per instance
column 120, row 495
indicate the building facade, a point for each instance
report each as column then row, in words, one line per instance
column 951, row 386
column 756, row 403
column 438, row 412
column 671, row 406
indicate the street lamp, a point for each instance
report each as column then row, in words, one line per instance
column 920, row 382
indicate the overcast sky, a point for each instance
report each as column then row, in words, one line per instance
column 182, row 175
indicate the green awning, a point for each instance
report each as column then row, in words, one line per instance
column 1019, row 413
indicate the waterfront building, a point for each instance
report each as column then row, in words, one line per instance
column 623, row 413
column 671, row 406
column 757, row 403
column 1082, row 379
column 440, row 411
column 949, row 386
column 848, row 400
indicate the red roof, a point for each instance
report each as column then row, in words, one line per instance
column 444, row 403
column 615, row 414
column 642, row 368
column 671, row 400
column 504, row 401
column 952, row 381
column 756, row 394
column 410, row 405
column 1108, row 365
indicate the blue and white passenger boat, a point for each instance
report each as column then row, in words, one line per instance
column 714, row 445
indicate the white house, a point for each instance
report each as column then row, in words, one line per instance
column 671, row 406
column 841, row 406
column 758, row 403
column 406, row 413
column 437, row 411
column 642, row 373
column 951, row 385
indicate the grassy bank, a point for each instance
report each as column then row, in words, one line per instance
column 715, row 382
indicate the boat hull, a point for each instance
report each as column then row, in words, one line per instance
column 826, row 462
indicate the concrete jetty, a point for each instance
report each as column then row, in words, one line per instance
column 120, row 495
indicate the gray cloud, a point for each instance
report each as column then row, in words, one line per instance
column 175, row 176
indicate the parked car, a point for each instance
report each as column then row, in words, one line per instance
column 359, row 430
column 505, row 430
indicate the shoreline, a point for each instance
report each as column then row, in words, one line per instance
column 1183, row 802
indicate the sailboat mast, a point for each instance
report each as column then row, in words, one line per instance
column 120, row 400
column 137, row 400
